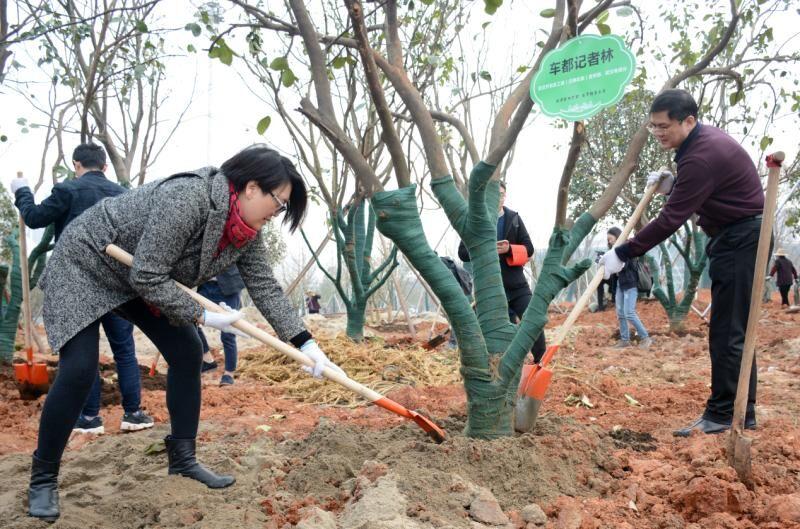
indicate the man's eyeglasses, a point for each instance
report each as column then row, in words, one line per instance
column 661, row 128
column 282, row 206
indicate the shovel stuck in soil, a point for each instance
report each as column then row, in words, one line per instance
column 31, row 377
column 738, row 443
column 536, row 378
column 436, row 433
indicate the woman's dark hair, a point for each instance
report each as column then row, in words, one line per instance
column 678, row 103
column 90, row 155
column 269, row 169
column 616, row 232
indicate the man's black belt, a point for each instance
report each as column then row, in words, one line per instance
column 713, row 231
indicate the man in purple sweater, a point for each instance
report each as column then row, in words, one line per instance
column 716, row 180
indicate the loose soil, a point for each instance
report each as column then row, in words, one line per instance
column 602, row 454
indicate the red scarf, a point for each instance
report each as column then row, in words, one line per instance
column 236, row 230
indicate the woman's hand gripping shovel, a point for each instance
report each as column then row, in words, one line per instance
column 31, row 377
column 536, row 378
column 436, row 433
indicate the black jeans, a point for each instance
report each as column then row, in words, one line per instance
column 77, row 369
column 732, row 255
column 784, row 289
column 516, row 307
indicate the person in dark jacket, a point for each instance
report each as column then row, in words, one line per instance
column 66, row 201
column 186, row 228
column 718, row 181
column 224, row 288
column 514, row 249
column 786, row 275
column 627, row 293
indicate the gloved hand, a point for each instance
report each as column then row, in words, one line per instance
column 665, row 187
column 222, row 321
column 612, row 263
column 18, row 183
column 312, row 350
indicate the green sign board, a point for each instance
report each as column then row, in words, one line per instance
column 585, row 75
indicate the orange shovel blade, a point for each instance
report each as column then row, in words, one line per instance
column 22, row 373
column 31, row 373
column 436, row 433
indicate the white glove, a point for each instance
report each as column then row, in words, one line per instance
column 665, row 187
column 312, row 350
column 611, row 262
column 18, row 183
column 222, row 321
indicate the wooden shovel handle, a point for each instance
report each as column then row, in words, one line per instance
column 598, row 277
column 26, row 289
column 762, row 256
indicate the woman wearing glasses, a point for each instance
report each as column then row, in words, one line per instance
column 188, row 228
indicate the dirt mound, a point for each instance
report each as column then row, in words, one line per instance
column 357, row 475
column 518, row 470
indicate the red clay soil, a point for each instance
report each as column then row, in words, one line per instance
column 622, row 466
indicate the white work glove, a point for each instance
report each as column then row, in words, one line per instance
column 312, row 350
column 665, row 187
column 18, row 183
column 612, row 263
column 224, row 321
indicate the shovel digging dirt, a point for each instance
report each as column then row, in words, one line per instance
column 536, row 378
column 436, row 433
column 738, row 443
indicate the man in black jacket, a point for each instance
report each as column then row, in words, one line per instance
column 68, row 200
column 514, row 249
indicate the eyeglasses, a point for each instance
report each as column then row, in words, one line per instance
column 661, row 128
column 282, row 206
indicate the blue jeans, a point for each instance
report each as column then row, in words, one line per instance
column 211, row 291
column 119, row 333
column 625, row 301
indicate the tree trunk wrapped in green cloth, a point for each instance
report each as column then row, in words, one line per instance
column 492, row 349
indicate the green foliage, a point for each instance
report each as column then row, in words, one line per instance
column 220, row 50
column 491, row 6
column 263, row 124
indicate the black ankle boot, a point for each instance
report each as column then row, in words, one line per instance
column 182, row 461
column 43, row 490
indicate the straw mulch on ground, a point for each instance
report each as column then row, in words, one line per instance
column 378, row 366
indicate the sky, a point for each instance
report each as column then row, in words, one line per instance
column 223, row 114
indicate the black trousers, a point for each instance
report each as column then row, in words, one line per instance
column 517, row 303
column 77, row 369
column 784, row 290
column 732, row 258
column 612, row 288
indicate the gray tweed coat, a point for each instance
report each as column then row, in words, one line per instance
column 172, row 227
